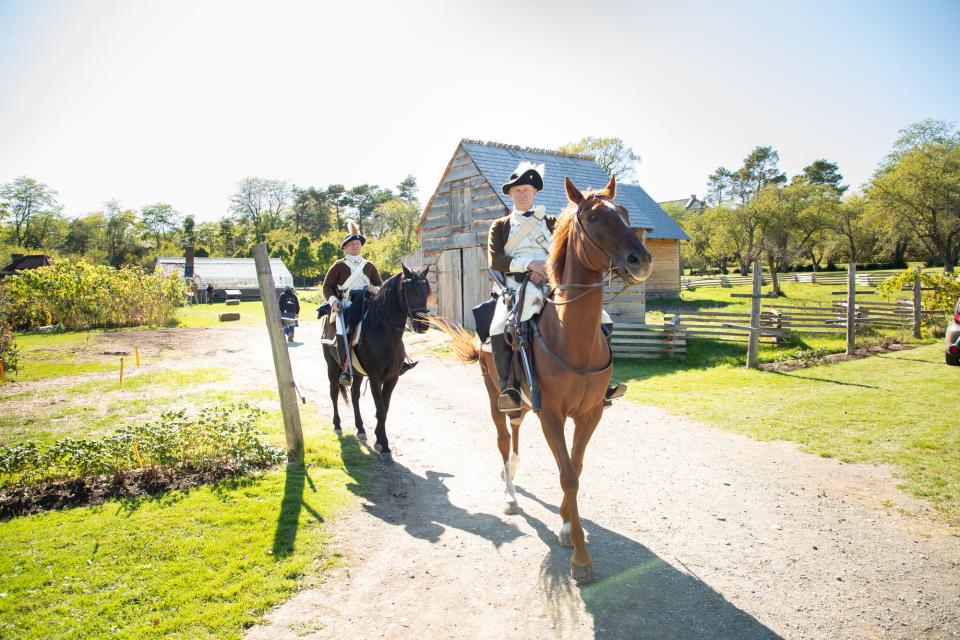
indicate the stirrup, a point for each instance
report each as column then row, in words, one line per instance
column 615, row 390
column 509, row 400
column 407, row 365
column 345, row 378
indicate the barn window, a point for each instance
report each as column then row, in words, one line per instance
column 460, row 215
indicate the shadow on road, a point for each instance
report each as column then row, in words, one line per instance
column 637, row 595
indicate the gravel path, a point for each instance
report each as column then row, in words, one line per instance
column 695, row 533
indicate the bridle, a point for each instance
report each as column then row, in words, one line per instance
column 411, row 313
column 608, row 269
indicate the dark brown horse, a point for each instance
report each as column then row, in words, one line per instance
column 571, row 356
column 380, row 350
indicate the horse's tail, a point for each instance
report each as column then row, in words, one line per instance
column 465, row 344
column 343, row 394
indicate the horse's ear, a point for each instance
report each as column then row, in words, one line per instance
column 423, row 274
column 611, row 189
column 572, row 192
column 406, row 272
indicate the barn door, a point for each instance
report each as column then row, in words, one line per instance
column 462, row 283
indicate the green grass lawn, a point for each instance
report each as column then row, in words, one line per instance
column 207, row 315
column 881, row 409
column 203, row 563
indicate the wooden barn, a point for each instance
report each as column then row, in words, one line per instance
column 453, row 226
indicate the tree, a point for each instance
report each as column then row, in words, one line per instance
column 189, row 230
column 303, row 264
column 612, row 154
column 23, row 199
column 407, row 190
column 83, row 234
column 121, row 232
column 853, row 229
column 760, row 168
column 719, row 186
column 922, row 190
column 159, row 219
column 824, row 173
column 363, row 199
column 310, row 212
column 258, row 202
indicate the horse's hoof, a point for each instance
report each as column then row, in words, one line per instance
column 565, row 538
column 338, row 431
column 511, row 509
column 361, row 435
column 382, row 450
column 583, row 574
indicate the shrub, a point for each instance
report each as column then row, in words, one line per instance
column 80, row 295
column 9, row 354
column 217, row 436
column 941, row 290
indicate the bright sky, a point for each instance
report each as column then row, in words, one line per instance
column 176, row 101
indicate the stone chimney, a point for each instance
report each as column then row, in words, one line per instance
column 188, row 261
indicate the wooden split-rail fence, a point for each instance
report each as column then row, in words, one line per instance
column 649, row 341
column 869, row 279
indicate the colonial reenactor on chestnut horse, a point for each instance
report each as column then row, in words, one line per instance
column 346, row 284
column 517, row 246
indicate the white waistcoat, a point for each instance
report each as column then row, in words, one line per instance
column 529, row 248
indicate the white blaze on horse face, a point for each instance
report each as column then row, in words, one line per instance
column 610, row 205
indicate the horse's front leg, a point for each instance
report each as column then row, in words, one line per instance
column 382, row 400
column 507, row 472
column 571, row 532
column 333, row 373
column 355, row 399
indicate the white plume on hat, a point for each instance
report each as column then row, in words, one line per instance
column 353, row 228
column 526, row 165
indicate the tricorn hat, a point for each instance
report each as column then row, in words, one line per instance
column 525, row 173
column 353, row 233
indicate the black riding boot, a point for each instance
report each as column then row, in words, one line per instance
column 615, row 389
column 509, row 399
column 344, row 348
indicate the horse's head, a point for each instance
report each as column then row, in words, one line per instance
column 602, row 237
column 415, row 291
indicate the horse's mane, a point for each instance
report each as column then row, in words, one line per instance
column 557, row 259
column 389, row 297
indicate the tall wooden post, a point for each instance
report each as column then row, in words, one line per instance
column 281, row 357
column 851, row 307
column 917, row 302
column 753, row 355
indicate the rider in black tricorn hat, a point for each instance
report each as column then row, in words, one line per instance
column 524, row 175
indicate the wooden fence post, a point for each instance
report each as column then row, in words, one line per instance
column 281, row 357
column 753, row 355
column 851, row 307
column 917, row 302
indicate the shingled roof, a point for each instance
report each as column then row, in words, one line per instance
column 497, row 161
column 634, row 198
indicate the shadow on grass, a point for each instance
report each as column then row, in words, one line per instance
column 701, row 354
column 674, row 303
column 295, row 483
column 839, row 382
column 638, row 594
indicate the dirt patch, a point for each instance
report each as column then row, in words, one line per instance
column 138, row 483
column 833, row 358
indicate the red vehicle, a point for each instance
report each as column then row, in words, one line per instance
column 953, row 338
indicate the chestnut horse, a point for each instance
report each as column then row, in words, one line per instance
column 571, row 356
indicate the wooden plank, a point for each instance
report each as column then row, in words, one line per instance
column 286, row 387
column 476, row 282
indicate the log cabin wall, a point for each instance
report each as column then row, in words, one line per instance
column 665, row 277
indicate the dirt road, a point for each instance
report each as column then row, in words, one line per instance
column 695, row 533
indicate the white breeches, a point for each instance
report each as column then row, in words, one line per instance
column 534, row 302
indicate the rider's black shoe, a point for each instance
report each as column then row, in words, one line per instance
column 407, row 365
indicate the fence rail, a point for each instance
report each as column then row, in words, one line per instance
column 648, row 341
column 867, row 279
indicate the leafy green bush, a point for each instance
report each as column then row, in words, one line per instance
column 216, row 436
column 9, row 354
column 940, row 294
column 80, row 295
